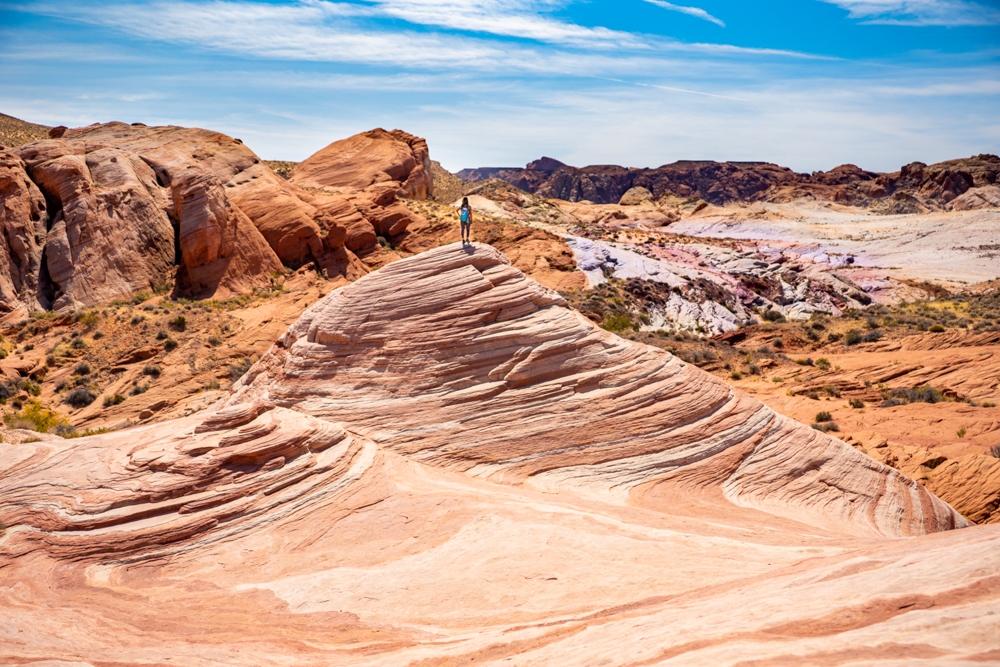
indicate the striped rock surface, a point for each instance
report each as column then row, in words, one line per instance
column 440, row 464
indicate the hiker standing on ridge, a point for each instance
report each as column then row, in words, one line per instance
column 465, row 217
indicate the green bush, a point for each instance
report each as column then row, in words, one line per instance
column 178, row 323
column 169, row 344
column 857, row 403
column 823, row 364
column 853, row 337
column 774, row 316
column 35, row 417
column 82, row 368
column 214, row 341
column 937, row 328
column 113, row 400
column 823, row 417
column 162, row 335
column 617, row 323
column 139, row 297
column 152, row 370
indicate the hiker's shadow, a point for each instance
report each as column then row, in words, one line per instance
column 468, row 248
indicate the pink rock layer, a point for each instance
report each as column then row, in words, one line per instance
column 440, row 464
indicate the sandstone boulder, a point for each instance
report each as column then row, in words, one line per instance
column 984, row 197
column 636, row 197
column 370, row 158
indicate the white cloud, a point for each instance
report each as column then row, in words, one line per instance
column 691, row 11
column 920, row 12
column 346, row 32
column 515, row 18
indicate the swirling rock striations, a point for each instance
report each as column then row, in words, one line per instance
column 455, row 358
column 441, row 464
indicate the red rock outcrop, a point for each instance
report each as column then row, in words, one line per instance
column 506, row 483
column 370, row 158
column 22, row 235
column 201, row 208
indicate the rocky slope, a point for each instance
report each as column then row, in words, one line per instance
column 14, row 131
column 964, row 184
column 458, row 469
column 206, row 217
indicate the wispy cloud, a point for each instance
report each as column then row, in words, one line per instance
column 345, row 32
column 920, row 12
column 691, row 11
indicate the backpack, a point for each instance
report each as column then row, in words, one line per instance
column 465, row 214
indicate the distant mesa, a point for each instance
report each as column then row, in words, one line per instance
column 917, row 188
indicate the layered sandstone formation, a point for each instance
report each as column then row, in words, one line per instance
column 371, row 158
column 441, row 464
column 202, row 211
column 917, row 188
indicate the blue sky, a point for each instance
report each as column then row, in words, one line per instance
column 809, row 84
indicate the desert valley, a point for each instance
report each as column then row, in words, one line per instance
column 275, row 413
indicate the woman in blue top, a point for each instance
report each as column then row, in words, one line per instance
column 465, row 217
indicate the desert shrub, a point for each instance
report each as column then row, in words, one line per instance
column 804, row 362
column 872, row 336
column 80, row 397
column 774, row 316
column 778, row 343
column 961, row 432
column 812, row 335
column 925, row 394
column 137, row 319
column 169, row 344
column 857, row 403
column 34, row 417
column 162, row 335
column 735, row 375
column 98, row 335
column 239, row 369
column 82, row 381
column 777, row 378
column 831, row 390
column 617, row 323
column 212, row 385
column 214, row 341
column 871, row 323
column 833, row 336
column 89, row 319
column 827, row 427
column 113, row 400
column 138, row 389
column 995, row 451
column 853, row 337
column 823, row 364
column 937, row 328
column 178, row 323
column 30, row 386
column 82, row 368
column 753, row 369
column 818, row 326
column 78, row 344
column 139, row 297
column 823, row 417
column 152, row 370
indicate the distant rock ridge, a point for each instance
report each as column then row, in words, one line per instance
column 956, row 184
